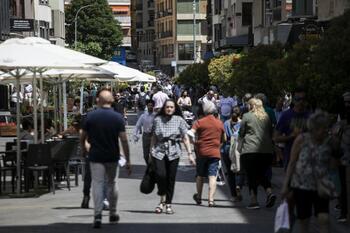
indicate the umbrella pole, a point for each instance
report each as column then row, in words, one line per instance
column 18, row 150
column 65, row 121
column 55, row 106
column 42, row 109
column 35, row 114
column 60, row 105
column 81, row 97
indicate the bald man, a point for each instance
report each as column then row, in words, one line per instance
column 104, row 127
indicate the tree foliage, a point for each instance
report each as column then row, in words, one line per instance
column 220, row 71
column 95, row 24
column 331, row 61
column 252, row 72
column 195, row 76
column 92, row 48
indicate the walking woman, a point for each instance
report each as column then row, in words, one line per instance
column 256, row 148
column 309, row 163
column 185, row 101
column 169, row 129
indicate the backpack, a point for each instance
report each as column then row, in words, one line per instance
column 141, row 101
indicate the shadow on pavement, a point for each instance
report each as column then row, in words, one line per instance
column 136, row 228
column 184, row 174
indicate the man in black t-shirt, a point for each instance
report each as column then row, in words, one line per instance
column 103, row 127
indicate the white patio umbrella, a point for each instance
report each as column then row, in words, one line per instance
column 143, row 77
column 56, row 76
column 78, row 56
column 122, row 73
column 127, row 74
column 16, row 54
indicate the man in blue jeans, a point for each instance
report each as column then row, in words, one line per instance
column 103, row 128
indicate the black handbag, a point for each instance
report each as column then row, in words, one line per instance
column 148, row 181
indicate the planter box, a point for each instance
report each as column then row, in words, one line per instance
column 7, row 130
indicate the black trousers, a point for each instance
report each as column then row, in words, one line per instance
column 87, row 178
column 146, row 145
column 256, row 166
column 231, row 177
column 166, row 176
column 343, row 194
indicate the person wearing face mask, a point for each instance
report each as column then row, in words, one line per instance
column 169, row 129
column 184, row 101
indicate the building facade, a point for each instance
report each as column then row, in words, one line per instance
column 144, row 31
column 57, row 31
column 122, row 13
column 41, row 18
column 4, row 19
column 176, row 32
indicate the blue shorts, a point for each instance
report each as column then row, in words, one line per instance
column 207, row 166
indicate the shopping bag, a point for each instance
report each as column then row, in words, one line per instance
column 282, row 218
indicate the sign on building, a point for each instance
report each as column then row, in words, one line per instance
column 21, row 25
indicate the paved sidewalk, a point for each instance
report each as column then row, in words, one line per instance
column 62, row 213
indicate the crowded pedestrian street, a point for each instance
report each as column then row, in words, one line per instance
column 174, row 116
column 61, row 212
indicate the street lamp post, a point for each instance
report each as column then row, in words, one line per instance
column 194, row 32
column 76, row 24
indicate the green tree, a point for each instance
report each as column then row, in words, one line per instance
column 95, row 24
column 294, row 68
column 331, row 61
column 92, row 48
column 195, row 76
column 220, row 71
column 252, row 72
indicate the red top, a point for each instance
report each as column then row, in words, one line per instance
column 209, row 130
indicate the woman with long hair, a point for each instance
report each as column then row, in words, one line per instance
column 169, row 129
column 256, row 148
column 184, row 101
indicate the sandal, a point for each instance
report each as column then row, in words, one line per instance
column 197, row 199
column 168, row 209
column 159, row 209
column 211, row 204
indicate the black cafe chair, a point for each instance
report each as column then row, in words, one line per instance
column 8, row 162
column 39, row 159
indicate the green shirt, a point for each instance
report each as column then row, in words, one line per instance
column 255, row 135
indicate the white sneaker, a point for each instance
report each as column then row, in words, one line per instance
column 105, row 204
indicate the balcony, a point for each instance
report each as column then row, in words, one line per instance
column 123, row 20
column 164, row 13
column 162, row 35
column 168, row 12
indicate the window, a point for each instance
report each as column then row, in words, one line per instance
column 247, row 18
column 186, row 6
column 217, row 7
column 185, row 27
column 217, row 32
column 44, row 2
column 185, row 51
